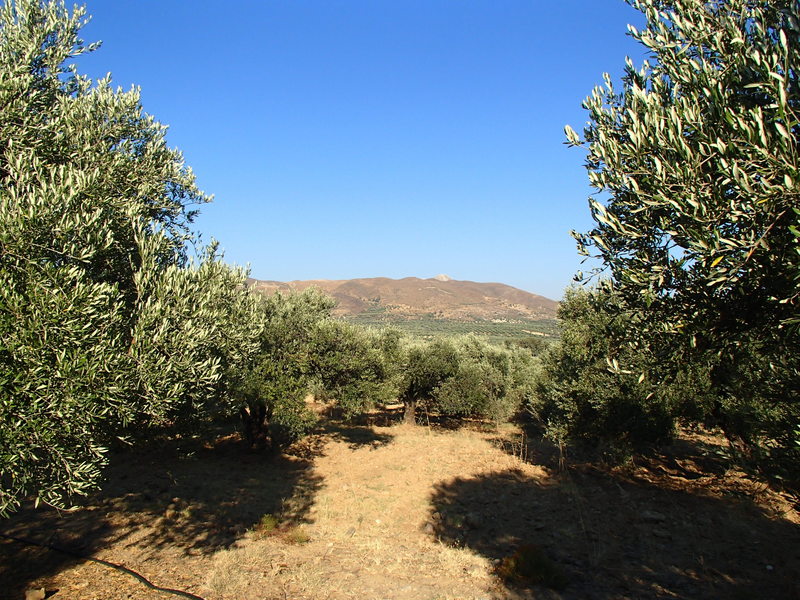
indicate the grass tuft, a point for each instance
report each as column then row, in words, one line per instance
column 266, row 526
column 296, row 536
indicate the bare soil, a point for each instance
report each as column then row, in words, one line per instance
column 411, row 512
column 412, row 297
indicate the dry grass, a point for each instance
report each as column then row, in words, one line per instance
column 367, row 537
column 410, row 513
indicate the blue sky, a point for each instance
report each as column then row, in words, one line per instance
column 365, row 138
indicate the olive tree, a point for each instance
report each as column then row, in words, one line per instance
column 105, row 327
column 466, row 377
column 352, row 365
column 428, row 365
column 489, row 382
column 583, row 395
column 696, row 163
column 195, row 328
column 270, row 394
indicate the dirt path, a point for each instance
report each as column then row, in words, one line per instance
column 366, row 530
column 411, row 513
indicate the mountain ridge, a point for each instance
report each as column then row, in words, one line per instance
column 438, row 297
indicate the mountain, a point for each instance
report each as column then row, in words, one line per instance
column 439, row 297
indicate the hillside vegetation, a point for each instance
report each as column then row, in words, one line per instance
column 435, row 307
column 537, row 333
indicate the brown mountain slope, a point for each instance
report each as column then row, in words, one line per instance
column 439, row 297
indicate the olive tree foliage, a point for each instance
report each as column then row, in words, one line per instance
column 427, row 366
column 583, row 394
column 276, row 379
column 195, row 328
column 303, row 350
column 698, row 157
column 354, row 367
column 467, row 377
column 105, row 329
column 490, row 381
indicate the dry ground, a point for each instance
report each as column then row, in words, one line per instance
column 411, row 513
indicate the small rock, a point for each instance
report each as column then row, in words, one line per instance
column 429, row 529
column 35, row 594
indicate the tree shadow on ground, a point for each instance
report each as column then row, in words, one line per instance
column 192, row 499
column 613, row 538
column 451, row 422
column 385, row 415
column 356, row 436
column 692, row 456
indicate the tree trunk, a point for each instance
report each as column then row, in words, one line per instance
column 255, row 426
column 411, row 412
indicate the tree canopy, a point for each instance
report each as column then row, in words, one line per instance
column 699, row 154
column 695, row 161
column 106, row 327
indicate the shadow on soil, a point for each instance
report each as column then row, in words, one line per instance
column 166, row 498
column 690, row 459
column 611, row 538
column 356, row 436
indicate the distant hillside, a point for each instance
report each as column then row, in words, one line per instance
column 436, row 298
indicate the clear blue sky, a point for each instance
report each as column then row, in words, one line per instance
column 364, row 138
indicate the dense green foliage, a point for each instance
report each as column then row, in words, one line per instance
column 354, row 366
column 93, row 212
column 193, row 330
column 303, row 350
column 699, row 157
column 467, row 377
column 582, row 393
column 274, row 382
column 490, row 381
